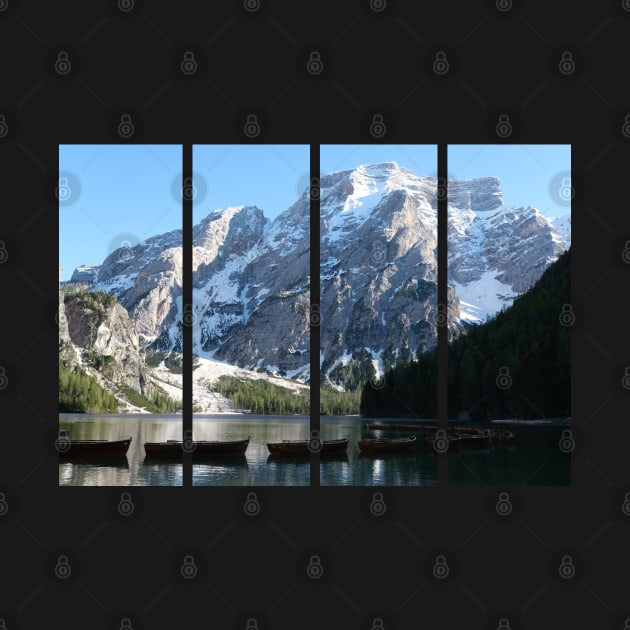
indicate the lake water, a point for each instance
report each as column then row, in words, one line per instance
column 252, row 470
column 534, row 459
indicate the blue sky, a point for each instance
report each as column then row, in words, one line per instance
column 129, row 193
column 117, row 193
column 120, row 193
column 271, row 177
column 530, row 174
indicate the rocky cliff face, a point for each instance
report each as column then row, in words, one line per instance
column 378, row 273
column 496, row 251
column 100, row 337
column 378, row 265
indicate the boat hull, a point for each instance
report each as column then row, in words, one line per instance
column 93, row 448
column 174, row 448
column 386, row 445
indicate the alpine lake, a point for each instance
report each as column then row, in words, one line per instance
column 536, row 456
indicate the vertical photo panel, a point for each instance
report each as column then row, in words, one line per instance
column 120, row 279
column 378, row 332
column 251, row 327
column 510, row 314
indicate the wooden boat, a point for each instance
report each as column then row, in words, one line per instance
column 468, row 430
column 300, row 447
column 386, row 444
column 87, row 448
column 502, row 437
column 174, row 448
column 478, row 440
column 453, row 443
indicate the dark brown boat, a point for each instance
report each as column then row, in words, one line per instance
column 90, row 448
column 454, row 443
column 373, row 445
column 478, row 440
column 199, row 448
column 380, row 427
column 415, row 427
column 300, row 447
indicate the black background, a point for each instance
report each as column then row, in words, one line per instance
column 254, row 567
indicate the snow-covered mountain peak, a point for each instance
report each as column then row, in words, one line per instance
column 481, row 194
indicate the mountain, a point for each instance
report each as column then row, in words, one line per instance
column 378, row 257
column 378, row 226
column 515, row 365
column 379, row 263
column 496, row 252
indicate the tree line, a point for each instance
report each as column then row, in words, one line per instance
column 81, row 393
column 261, row 396
column 516, row 365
